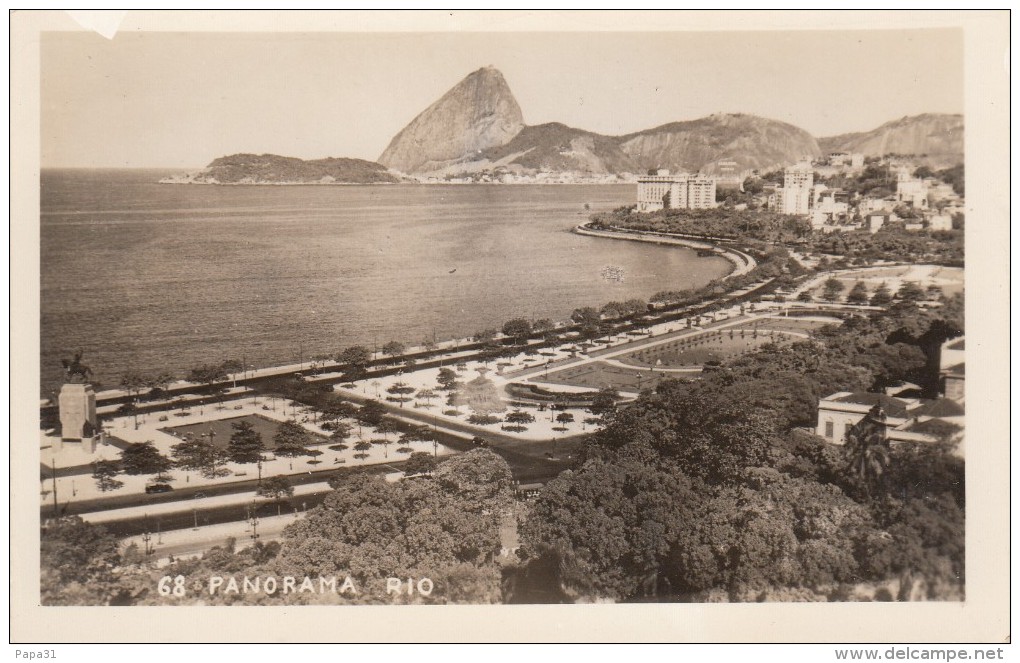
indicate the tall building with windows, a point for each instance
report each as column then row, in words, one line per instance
column 653, row 191
column 800, row 176
column 795, row 195
column 682, row 191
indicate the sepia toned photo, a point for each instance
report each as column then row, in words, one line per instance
column 455, row 317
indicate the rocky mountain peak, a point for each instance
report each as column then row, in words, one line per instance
column 478, row 113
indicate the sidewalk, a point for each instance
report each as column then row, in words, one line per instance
column 195, row 541
column 184, row 506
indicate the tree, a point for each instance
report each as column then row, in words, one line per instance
column 588, row 319
column 564, row 417
column 144, row 458
column 199, row 456
column 336, row 409
column 881, row 296
column 517, row 329
column 867, row 449
column 275, row 488
column 207, row 374
column 230, row 368
column 355, row 356
column 858, row 294
column 378, row 529
column 371, row 413
column 159, row 385
column 77, row 562
column 910, row 292
column 104, row 472
column 614, row 310
column 604, row 401
column 129, row 408
column 543, row 326
column 636, row 306
column 400, row 390
column 290, row 439
column 387, row 426
column 832, row 289
column 133, row 383
column 804, row 296
column 245, row 445
column 393, row 349
column 341, row 432
column 520, row 417
column 447, row 378
column 484, row 336
column 426, row 394
column 419, row 462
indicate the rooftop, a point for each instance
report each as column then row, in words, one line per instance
column 941, row 407
column 894, row 407
column 935, row 427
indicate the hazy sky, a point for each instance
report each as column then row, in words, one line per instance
column 183, row 99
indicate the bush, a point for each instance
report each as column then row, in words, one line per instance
column 483, row 419
column 338, row 447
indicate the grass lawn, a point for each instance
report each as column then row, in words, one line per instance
column 696, row 351
column 598, row 374
column 222, row 430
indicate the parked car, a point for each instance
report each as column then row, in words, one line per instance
column 158, row 488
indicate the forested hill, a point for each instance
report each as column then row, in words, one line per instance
column 273, row 169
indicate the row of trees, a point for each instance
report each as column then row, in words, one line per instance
column 909, row 291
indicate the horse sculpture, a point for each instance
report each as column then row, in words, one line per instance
column 75, row 369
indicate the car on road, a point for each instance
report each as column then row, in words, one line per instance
column 158, row 488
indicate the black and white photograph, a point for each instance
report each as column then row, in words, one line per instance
column 341, row 314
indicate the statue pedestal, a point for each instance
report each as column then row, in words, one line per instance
column 78, row 414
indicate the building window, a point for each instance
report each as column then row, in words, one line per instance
column 829, row 429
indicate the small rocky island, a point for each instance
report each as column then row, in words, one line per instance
column 274, row 169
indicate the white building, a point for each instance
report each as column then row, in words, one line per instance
column 653, row 190
column 682, row 191
column 905, row 419
column 910, row 190
column 940, row 222
column 795, row 195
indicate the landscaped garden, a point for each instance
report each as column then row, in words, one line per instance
column 704, row 348
column 222, row 429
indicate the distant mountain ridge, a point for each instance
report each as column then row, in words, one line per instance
column 477, row 127
column 933, row 134
column 750, row 141
column 477, row 130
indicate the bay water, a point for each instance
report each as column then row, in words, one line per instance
column 154, row 278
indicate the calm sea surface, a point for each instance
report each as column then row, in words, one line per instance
column 154, row 278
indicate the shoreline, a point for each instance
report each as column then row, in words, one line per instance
column 742, row 262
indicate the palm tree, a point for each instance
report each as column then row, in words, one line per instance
column 867, row 448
